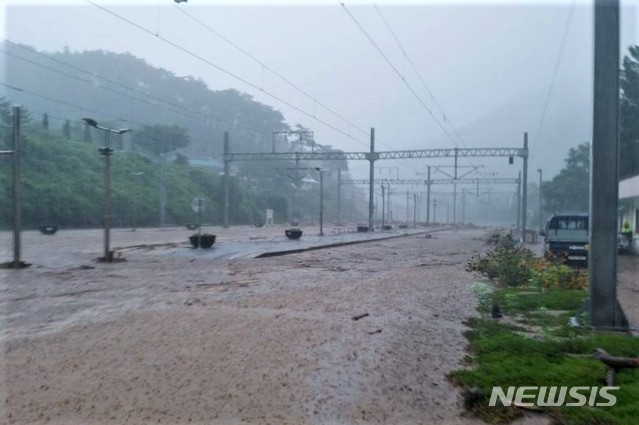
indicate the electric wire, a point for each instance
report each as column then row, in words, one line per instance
column 562, row 47
column 267, row 67
column 195, row 115
column 225, row 71
column 231, row 74
column 399, row 74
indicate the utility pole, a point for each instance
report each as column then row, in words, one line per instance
column 407, row 201
column 519, row 202
column 435, row 210
column 605, row 311
column 106, row 152
column 226, row 180
column 162, row 192
column 388, row 206
column 455, row 191
column 339, row 195
column 321, row 214
column 524, row 184
column 428, row 184
column 17, row 188
column 463, row 212
column 383, row 205
column 371, row 186
column 414, row 210
column 541, row 217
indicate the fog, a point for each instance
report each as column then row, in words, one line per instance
column 489, row 66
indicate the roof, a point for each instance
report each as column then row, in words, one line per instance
column 629, row 188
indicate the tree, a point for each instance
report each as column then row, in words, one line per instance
column 569, row 190
column 629, row 135
column 45, row 122
column 159, row 139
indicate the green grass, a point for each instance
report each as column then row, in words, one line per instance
column 503, row 354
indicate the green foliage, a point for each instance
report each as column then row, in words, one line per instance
column 629, row 110
column 568, row 190
column 511, row 266
column 63, row 184
column 508, row 354
column 158, row 139
column 518, row 300
column 549, row 274
column 504, row 357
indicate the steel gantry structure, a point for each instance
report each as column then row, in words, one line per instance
column 429, row 182
column 372, row 156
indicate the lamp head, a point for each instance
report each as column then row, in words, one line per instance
column 90, row 121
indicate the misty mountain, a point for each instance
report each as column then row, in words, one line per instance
column 124, row 90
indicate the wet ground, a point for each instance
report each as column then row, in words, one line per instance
column 181, row 336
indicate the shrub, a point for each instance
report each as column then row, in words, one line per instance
column 511, row 266
column 548, row 274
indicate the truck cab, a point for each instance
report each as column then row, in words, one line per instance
column 566, row 235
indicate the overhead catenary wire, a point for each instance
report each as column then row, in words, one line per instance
column 265, row 66
column 399, row 74
column 79, row 107
column 419, row 75
column 243, row 80
column 227, row 72
column 179, row 109
column 421, row 78
column 562, row 47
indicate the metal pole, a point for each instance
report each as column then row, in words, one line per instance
column 17, row 188
column 371, row 184
column 519, row 201
column 455, row 191
column 524, row 189
column 407, row 208
column 463, row 212
column 414, row 210
column 605, row 312
column 388, row 206
column 339, row 195
column 321, row 214
column 435, row 210
column 541, row 216
column 226, row 180
column 162, row 192
column 428, row 184
column 383, row 205
column 107, row 197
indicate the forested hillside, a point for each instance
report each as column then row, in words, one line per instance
column 178, row 118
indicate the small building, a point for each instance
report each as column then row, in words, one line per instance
column 629, row 206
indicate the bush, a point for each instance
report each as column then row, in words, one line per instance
column 511, row 266
column 548, row 274
column 519, row 267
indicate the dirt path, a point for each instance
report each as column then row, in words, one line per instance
column 170, row 339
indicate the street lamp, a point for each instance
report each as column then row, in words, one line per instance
column 541, row 220
column 321, row 217
column 107, row 152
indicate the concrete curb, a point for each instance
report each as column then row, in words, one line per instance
column 339, row 244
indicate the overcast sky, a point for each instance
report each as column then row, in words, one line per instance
column 489, row 65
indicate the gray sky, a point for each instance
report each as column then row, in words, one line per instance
column 489, row 65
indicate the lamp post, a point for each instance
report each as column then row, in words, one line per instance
column 541, row 219
column 321, row 214
column 107, row 152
